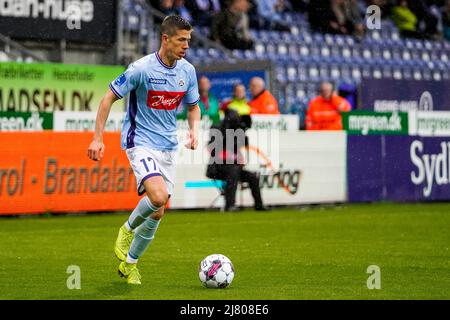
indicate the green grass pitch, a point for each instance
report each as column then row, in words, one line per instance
column 315, row 253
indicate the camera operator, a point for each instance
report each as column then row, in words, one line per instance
column 227, row 162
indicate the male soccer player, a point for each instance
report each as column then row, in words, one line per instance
column 157, row 84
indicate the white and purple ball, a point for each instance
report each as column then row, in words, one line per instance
column 216, row 271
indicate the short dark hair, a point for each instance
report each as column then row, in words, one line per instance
column 173, row 23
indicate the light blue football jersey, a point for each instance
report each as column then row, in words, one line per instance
column 156, row 91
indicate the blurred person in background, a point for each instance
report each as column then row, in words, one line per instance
column 263, row 102
column 324, row 111
column 239, row 101
column 209, row 104
column 422, row 11
column 203, row 10
column 230, row 27
column 385, row 6
column 166, row 7
column 354, row 17
column 336, row 17
column 446, row 20
column 180, row 9
column 269, row 14
column 300, row 5
column 405, row 20
column 227, row 162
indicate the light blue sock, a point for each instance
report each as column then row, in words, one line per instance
column 142, row 211
column 143, row 236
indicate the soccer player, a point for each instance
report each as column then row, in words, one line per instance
column 157, row 84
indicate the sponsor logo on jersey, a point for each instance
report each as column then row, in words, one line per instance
column 121, row 80
column 157, row 81
column 164, row 100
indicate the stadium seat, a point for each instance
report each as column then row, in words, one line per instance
column 291, row 72
column 313, row 72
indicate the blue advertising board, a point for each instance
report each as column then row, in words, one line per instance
column 388, row 95
column 398, row 168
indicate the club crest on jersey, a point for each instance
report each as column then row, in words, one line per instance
column 157, row 81
column 121, row 80
column 181, row 82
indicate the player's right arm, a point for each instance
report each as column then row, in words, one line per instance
column 118, row 89
column 96, row 149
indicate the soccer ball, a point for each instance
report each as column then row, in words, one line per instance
column 216, row 271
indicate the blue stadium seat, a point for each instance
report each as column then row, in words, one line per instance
column 260, row 50
column 282, row 50
column 280, row 73
column 291, row 72
column 313, row 72
column 302, row 71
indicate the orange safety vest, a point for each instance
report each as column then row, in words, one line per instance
column 264, row 103
column 325, row 114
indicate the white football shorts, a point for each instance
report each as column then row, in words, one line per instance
column 147, row 163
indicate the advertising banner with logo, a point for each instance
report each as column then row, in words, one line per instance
column 25, row 121
column 282, row 122
column 429, row 124
column 370, row 122
column 387, row 95
column 295, row 168
column 72, row 20
column 398, row 168
column 50, row 172
column 85, row 121
column 49, row 87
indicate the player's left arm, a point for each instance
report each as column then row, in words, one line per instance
column 194, row 114
column 193, row 117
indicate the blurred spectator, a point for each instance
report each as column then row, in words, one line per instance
column 209, row 105
column 203, row 10
column 320, row 15
column 336, row 17
column 239, row 101
column 166, row 7
column 423, row 14
column 324, row 112
column 171, row 7
column 299, row 5
column 405, row 20
column 263, row 102
column 354, row 17
column 269, row 14
column 231, row 26
column 180, row 9
column 227, row 162
column 446, row 20
column 385, row 6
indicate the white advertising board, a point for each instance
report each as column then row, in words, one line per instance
column 295, row 168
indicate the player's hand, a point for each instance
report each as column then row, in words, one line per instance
column 96, row 150
column 192, row 142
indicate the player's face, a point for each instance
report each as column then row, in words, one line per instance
column 178, row 44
